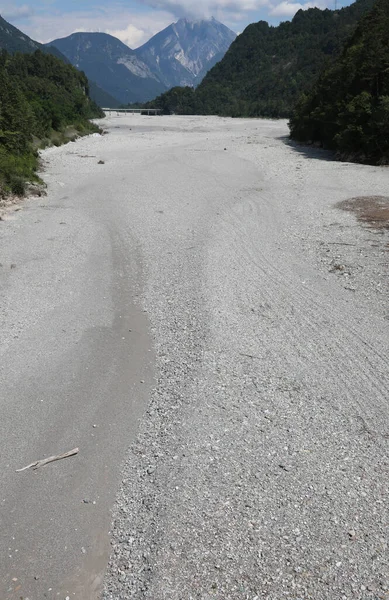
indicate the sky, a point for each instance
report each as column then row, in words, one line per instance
column 135, row 21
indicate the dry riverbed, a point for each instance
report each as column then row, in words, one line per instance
column 230, row 290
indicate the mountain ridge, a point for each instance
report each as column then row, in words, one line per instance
column 108, row 61
column 14, row 40
column 189, row 56
column 180, row 54
column 267, row 67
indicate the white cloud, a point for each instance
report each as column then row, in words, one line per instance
column 131, row 35
column 222, row 9
column 289, row 9
column 133, row 29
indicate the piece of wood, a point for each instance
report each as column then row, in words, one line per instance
column 45, row 461
column 249, row 355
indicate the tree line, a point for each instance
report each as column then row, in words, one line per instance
column 40, row 96
column 347, row 109
column 267, row 68
column 326, row 70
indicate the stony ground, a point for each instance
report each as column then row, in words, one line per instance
column 261, row 467
column 198, row 274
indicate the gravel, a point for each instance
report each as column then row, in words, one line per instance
column 261, row 468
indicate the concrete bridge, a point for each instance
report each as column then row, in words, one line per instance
column 132, row 111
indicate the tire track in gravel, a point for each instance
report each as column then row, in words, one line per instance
column 307, row 311
column 311, row 312
column 252, row 477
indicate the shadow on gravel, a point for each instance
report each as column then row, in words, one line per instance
column 308, row 151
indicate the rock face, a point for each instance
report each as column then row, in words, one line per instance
column 181, row 54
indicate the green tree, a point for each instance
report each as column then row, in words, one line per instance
column 347, row 109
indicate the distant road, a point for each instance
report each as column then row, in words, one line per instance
column 197, row 268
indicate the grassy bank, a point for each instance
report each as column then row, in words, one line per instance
column 18, row 170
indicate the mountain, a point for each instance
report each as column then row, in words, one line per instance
column 181, row 54
column 348, row 107
column 13, row 40
column 111, row 64
column 101, row 97
column 266, row 68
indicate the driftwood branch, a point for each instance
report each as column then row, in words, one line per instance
column 45, row 461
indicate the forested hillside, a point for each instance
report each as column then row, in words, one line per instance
column 112, row 64
column 178, row 100
column 348, row 108
column 13, row 40
column 40, row 97
column 267, row 68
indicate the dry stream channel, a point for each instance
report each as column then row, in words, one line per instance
column 201, row 307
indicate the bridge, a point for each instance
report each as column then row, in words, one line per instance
column 133, row 111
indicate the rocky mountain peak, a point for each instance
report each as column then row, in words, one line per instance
column 181, row 54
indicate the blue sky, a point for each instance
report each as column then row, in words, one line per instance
column 135, row 21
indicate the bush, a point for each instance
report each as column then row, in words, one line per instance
column 17, row 185
column 16, row 170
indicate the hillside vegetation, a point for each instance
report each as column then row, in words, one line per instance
column 42, row 100
column 13, row 40
column 348, row 108
column 267, row 68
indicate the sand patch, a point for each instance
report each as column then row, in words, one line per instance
column 371, row 210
